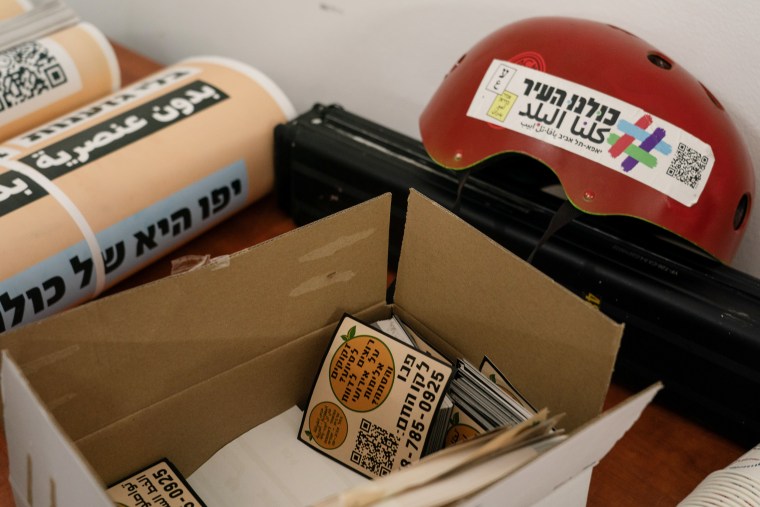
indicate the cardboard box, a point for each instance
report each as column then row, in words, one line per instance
column 182, row 366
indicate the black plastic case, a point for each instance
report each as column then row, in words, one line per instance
column 691, row 321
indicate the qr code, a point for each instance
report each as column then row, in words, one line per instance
column 26, row 71
column 687, row 166
column 375, row 449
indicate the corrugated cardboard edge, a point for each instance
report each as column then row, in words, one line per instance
column 294, row 363
column 528, row 321
column 427, row 243
column 584, row 449
column 125, row 361
column 46, row 468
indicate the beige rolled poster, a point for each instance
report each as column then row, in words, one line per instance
column 98, row 193
column 12, row 8
column 48, row 76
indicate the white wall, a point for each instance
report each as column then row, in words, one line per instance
column 383, row 59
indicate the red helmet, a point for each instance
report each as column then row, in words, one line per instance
column 626, row 130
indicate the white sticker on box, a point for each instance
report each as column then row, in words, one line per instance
column 596, row 126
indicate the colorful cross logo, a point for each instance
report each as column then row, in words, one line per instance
column 648, row 142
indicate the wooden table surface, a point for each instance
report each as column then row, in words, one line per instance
column 657, row 463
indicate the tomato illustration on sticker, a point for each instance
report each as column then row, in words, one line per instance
column 361, row 372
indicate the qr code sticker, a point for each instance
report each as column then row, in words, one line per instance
column 687, row 166
column 375, row 449
column 26, row 71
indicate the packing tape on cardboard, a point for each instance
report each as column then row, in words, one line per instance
column 94, row 195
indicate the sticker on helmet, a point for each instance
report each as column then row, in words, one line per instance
column 596, row 126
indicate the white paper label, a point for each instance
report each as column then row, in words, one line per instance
column 596, row 126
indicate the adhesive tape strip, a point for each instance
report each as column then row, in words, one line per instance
column 54, row 191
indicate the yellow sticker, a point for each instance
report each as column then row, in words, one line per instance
column 593, row 299
column 502, row 105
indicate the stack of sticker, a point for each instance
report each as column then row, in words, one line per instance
column 736, row 485
column 375, row 400
column 437, row 434
column 487, row 404
column 100, row 192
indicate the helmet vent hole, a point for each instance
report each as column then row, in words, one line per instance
column 712, row 97
column 660, row 61
column 741, row 212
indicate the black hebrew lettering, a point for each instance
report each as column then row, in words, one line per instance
column 146, row 240
column 177, row 223
column 220, row 198
column 588, row 131
column 581, row 105
column 529, row 87
column 183, row 221
column 12, row 304
column 545, row 93
column 559, row 97
column 58, row 285
column 85, row 267
column 205, row 205
column 602, row 112
column 614, row 115
column 113, row 256
column 52, row 291
column 608, row 115
column 594, row 106
column 163, row 226
column 36, row 295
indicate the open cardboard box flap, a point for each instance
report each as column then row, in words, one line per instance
column 464, row 287
column 180, row 367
